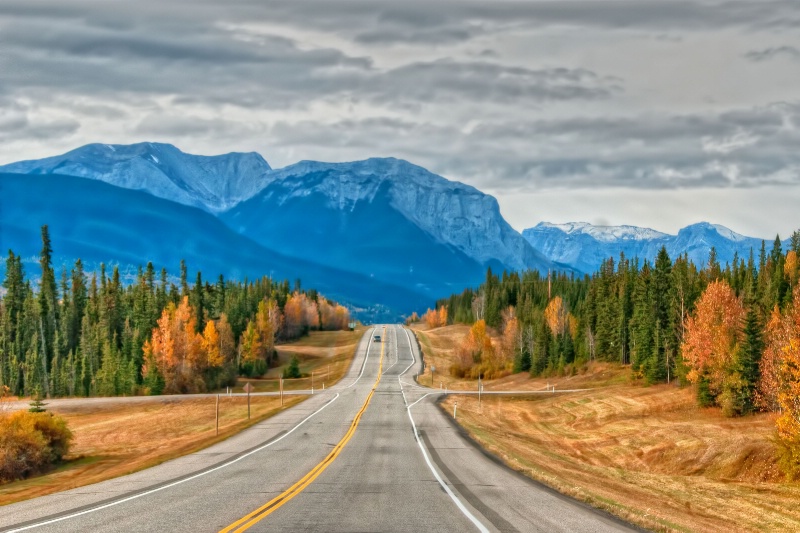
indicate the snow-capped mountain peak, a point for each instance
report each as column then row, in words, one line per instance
column 605, row 233
column 584, row 246
column 214, row 183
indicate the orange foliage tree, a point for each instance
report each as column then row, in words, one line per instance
column 556, row 316
column 476, row 355
column 711, row 344
column 770, row 364
column 436, row 319
column 511, row 343
column 333, row 316
column 299, row 314
column 781, row 382
column 177, row 352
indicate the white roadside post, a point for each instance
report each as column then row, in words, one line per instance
column 455, row 407
column 218, row 415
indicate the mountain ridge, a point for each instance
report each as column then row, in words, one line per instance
column 585, row 246
column 102, row 223
column 213, row 183
column 473, row 224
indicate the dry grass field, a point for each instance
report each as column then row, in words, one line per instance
column 325, row 353
column 118, row 439
column 115, row 439
column 646, row 454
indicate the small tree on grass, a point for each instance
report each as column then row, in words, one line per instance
column 37, row 405
column 293, row 370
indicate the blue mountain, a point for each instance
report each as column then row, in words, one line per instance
column 385, row 219
column 102, row 223
column 212, row 183
column 584, row 246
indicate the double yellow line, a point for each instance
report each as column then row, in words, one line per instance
column 268, row 508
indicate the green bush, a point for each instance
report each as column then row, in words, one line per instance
column 30, row 443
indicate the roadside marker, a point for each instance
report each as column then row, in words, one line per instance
column 248, row 387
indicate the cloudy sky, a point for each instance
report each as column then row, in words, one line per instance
column 647, row 112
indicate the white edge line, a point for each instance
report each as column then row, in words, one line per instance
column 449, row 492
column 364, row 364
column 139, row 495
column 146, row 493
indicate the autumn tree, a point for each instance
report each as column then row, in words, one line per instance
column 556, row 316
column 711, row 347
column 436, row 318
column 780, row 382
column 176, row 349
column 300, row 314
column 333, row 316
column 770, row 364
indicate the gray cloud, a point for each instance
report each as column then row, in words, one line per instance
column 766, row 54
column 524, row 96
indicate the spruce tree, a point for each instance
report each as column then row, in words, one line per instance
column 750, row 356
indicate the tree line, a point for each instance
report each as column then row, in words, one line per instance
column 732, row 331
column 88, row 334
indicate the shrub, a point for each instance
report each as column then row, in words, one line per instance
column 30, row 443
column 789, row 457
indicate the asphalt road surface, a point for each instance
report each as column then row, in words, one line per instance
column 373, row 453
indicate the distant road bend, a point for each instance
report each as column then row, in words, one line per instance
column 373, row 453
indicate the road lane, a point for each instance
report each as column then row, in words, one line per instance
column 217, row 498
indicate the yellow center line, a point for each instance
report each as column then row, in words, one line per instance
column 265, row 510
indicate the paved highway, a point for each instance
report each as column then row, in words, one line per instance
column 373, row 453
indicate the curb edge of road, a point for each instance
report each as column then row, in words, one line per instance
column 464, row 434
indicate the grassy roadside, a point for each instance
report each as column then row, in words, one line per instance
column 116, row 439
column 325, row 353
column 646, row 454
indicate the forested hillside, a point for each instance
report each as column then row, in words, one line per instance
column 731, row 331
column 85, row 334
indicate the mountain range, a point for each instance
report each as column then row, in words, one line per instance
column 584, row 246
column 382, row 234
column 384, row 221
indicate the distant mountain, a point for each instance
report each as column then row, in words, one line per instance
column 102, row 223
column 457, row 221
column 385, row 218
column 584, row 246
column 213, row 183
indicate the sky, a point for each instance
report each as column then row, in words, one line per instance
column 644, row 112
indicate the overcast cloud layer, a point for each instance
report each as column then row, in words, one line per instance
column 655, row 113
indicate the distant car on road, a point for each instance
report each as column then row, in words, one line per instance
column 377, row 337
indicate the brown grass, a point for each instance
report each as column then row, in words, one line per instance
column 325, row 353
column 438, row 348
column 646, row 454
column 116, row 439
column 119, row 439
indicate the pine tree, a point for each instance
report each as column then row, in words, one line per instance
column 293, row 370
column 750, row 356
column 198, row 303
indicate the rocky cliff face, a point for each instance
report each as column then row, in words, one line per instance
column 452, row 213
